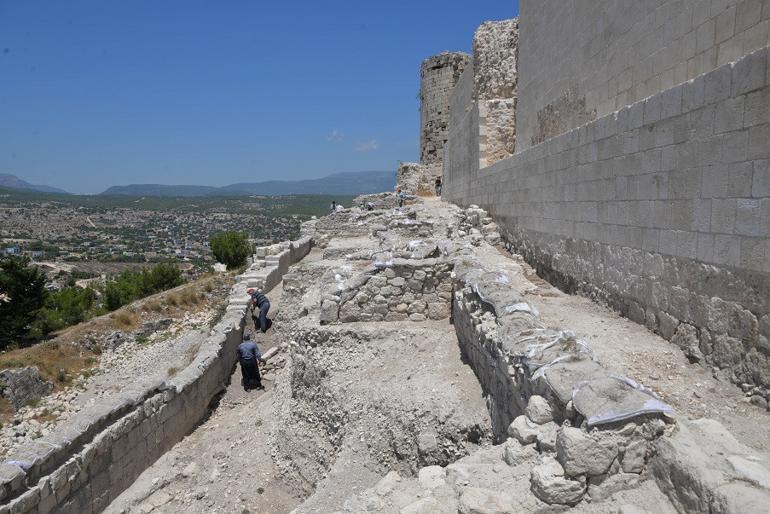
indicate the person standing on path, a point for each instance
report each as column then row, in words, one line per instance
column 259, row 301
column 438, row 186
column 249, row 357
column 400, row 194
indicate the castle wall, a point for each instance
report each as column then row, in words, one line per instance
column 462, row 148
column 438, row 76
column 495, row 46
column 581, row 60
column 662, row 209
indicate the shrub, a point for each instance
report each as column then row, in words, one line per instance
column 23, row 295
column 231, row 248
column 133, row 285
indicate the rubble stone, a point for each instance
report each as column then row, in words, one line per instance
column 523, row 430
column 550, row 485
column 581, row 454
column 475, row 500
column 538, row 410
column 23, row 385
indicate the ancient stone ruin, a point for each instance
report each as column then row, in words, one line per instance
column 433, row 358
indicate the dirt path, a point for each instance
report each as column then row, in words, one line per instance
column 225, row 464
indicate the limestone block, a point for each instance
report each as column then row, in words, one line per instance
column 427, row 505
column 538, row 410
column 431, row 477
column 438, row 310
column 635, row 457
column 475, row 500
column 11, row 479
column 550, row 485
column 417, row 306
column 25, row 503
column 514, row 453
column 417, row 317
column 388, row 483
column 546, row 437
column 602, row 487
column 523, row 430
column 329, row 312
column 415, row 285
column 581, row 454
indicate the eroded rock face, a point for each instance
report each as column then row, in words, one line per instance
column 23, row 385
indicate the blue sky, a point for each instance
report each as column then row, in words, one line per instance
column 106, row 92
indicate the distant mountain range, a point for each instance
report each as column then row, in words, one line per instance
column 351, row 183
column 14, row 182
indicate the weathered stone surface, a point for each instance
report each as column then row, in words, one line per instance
column 538, row 410
column 476, row 500
column 432, row 476
column 702, row 468
column 546, row 437
column 581, row 454
column 550, row 485
column 635, row 457
column 514, row 453
column 523, row 430
column 23, row 385
column 602, row 487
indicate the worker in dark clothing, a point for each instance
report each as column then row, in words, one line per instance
column 259, row 301
column 249, row 356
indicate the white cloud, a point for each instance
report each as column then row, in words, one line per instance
column 367, row 146
column 335, row 136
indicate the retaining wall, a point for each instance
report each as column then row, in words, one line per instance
column 407, row 289
column 662, row 209
column 517, row 359
column 86, row 463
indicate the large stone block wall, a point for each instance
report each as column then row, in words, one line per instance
column 583, row 59
column 462, row 150
column 662, row 209
column 84, row 465
column 438, row 76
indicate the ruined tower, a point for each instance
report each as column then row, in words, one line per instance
column 438, row 76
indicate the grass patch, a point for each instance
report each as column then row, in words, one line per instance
column 124, row 320
column 153, row 306
column 142, row 340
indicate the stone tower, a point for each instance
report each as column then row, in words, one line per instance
column 438, row 76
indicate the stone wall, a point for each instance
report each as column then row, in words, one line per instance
column 662, row 209
column 495, row 53
column 399, row 290
column 462, row 149
column 84, row 465
column 584, row 59
column 543, row 387
column 438, row 76
column 482, row 108
column 418, row 179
